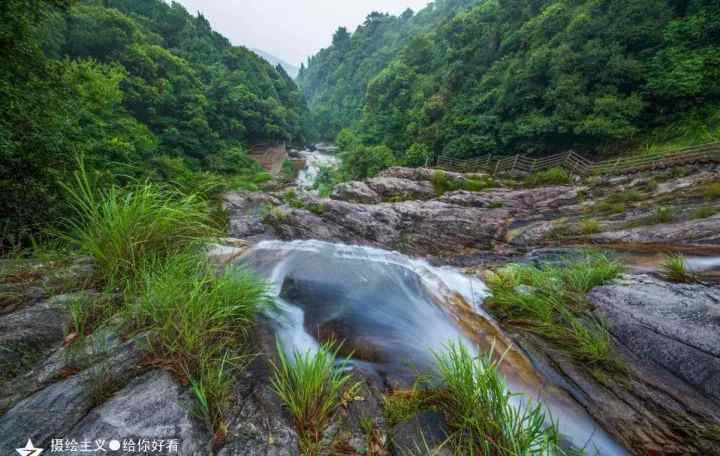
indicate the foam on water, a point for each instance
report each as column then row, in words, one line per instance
column 313, row 162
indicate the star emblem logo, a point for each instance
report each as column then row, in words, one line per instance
column 29, row 449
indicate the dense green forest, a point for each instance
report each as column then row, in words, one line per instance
column 335, row 79
column 532, row 76
column 140, row 89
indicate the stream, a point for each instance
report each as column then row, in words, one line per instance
column 393, row 313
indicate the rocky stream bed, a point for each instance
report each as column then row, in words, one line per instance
column 394, row 267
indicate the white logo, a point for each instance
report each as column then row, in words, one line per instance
column 29, row 450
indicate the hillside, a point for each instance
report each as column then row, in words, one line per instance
column 511, row 76
column 289, row 68
column 139, row 88
column 335, row 79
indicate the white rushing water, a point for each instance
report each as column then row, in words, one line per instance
column 314, row 161
column 389, row 307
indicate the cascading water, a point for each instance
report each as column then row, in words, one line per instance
column 392, row 313
column 314, row 161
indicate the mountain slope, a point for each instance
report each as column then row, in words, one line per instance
column 335, row 80
column 289, row 68
column 538, row 76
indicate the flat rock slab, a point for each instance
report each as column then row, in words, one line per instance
column 676, row 326
column 153, row 407
column 701, row 232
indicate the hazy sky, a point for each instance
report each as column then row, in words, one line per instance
column 290, row 29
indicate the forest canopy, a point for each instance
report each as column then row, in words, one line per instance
column 141, row 89
column 528, row 76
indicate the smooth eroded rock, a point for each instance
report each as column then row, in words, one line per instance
column 153, row 407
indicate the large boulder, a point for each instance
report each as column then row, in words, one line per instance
column 245, row 211
column 664, row 401
column 27, row 334
column 676, row 326
column 153, row 407
column 381, row 189
column 53, row 411
column 355, row 192
column 418, row 227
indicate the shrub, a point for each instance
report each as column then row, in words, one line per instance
column 310, row 385
column 552, row 176
column 674, row 268
column 122, row 228
column 551, row 302
column 481, row 412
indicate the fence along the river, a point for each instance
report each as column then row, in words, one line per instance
column 576, row 164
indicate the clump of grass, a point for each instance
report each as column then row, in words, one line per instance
column 317, row 208
column 443, row 184
column 588, row 226
column 404, row 404
column 310, row 385
column 122, row 228
column 704, row 212
column 609, row 207
column 674, row 268
column 626, row 196
column 293, row 200
column 560, row 229
column 659, row 216
column 711, row 190
column 198, row 319
column 477, row 405
column 552, row 176
column 550, row 301
column 496, row 205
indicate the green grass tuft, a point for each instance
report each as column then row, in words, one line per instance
column 550, row 301
column 122, row 228
column 711, row 190
column 310, row 385
column 552, row 176
column 674, row 269
column 704, row 212
column 198, row 319
column 477, row 404
column 588, row 226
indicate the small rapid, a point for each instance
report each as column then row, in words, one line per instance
column 314, row 162
column 393, row 313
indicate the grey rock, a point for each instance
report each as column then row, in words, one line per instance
column 526, row 201
column 676, row 326
column 32, row 331
column 245, row 211
column 691, row 232
column 152, row 407
column 421, row 435
column 355, row 192
column 258, row 425
column 53, row 411
column 419, row 227
column 67, row 359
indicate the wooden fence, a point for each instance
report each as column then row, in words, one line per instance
column 577, row 164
